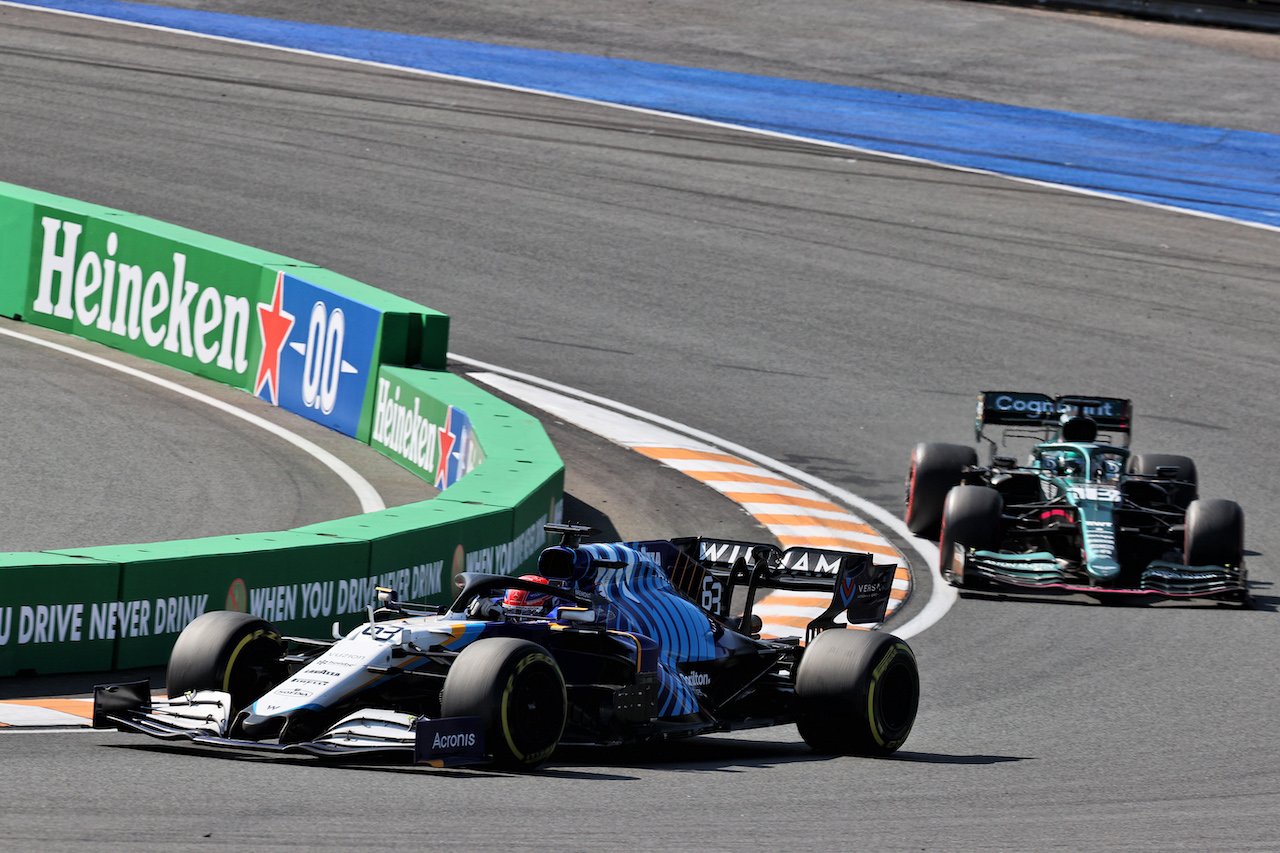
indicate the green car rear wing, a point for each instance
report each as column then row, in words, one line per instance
column 1039, row 416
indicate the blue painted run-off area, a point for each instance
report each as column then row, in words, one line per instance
column 1230, row 173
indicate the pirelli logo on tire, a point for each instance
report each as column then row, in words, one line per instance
column 887, row 695
column 524, row 699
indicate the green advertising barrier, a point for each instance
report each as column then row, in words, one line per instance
column 184, row 299
column 532, row 489
column 417, row 549
column 513, row 463
column 427, row 422
column 418, row 424
column 411, row 334
column 169, row 294
column 57, row 613
column 15, row 226
column 522, row 470
column 492, row 461
column 301, row 582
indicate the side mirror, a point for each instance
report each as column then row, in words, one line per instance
column 576, row 614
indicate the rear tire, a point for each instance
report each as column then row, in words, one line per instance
column 1214, row 534
column 970, row 518
column 857, row 692
column 935, row 468
column 1181, row 495
column 516, row 689
column 226, row 650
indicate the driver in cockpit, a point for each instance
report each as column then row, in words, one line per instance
column 1063, row 462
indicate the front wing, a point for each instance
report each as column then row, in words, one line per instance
column 203, row 718
column 1042, row 571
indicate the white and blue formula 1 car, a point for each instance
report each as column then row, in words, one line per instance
column 608, row 645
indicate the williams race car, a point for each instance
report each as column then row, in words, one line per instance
column 610, row 644
column 1084, row 514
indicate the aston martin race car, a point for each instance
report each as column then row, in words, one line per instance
column 609, row 644
column 1081, row 514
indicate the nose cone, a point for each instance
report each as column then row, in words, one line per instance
column 295, row 726
column 1104, row 569
column 260, row 727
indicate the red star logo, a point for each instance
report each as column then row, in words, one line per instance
column 447, row 439
column 275, row 324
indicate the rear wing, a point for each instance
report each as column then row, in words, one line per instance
column 859, row 588
column 1041, row 415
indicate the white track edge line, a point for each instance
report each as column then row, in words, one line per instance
column 905, row 158
column 370, row 500
column 942, row 596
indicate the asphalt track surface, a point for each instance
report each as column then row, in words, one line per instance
column 185, row 469
column 826, row 310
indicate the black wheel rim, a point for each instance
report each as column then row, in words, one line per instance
column 535, row 710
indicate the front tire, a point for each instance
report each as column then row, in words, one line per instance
column 516, row 689
column 935, row 468
column 970, row 518
column 1214, row 534
column 226, row 650
column 857, row 691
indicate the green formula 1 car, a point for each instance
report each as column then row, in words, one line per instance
column 1083, row 514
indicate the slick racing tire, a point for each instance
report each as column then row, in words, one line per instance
column 1214, row 534
column 970, row 517
column 516, row 689
column 1181, row 495
column 226, row 650
column 935, row 468
column 857, row 692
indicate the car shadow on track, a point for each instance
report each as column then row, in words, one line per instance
column 936, row 758
column 580, row 512
column 700, row 754
column 733, row 754
column 390, row 765
column 1257, row 602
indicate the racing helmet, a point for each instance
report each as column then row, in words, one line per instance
column 1070, row 464
column 522, row 602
